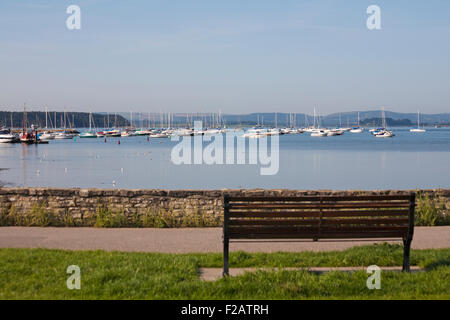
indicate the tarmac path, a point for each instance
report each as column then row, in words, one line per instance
column 199, row 240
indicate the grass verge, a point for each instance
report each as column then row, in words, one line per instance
column 41, row 274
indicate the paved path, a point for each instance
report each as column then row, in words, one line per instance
column 213, row 274
column 181, row 240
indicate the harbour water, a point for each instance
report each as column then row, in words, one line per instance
column 351, row 161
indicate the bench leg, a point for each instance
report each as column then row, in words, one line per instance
column 226, row 245
column 406, row 252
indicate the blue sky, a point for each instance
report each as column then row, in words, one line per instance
column 237, row 56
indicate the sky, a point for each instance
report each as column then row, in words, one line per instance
column 231, row 55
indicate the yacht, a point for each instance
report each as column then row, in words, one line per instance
column 273, row 132
column 159, row 135
column 6, row 136
column 384, row 134
column 46, row 136
column 90, row 133
column 376, row 131
column 113, row 133
column 183, row 132
column 334, row 132
column 357, row 129
column 255, row 133
column 64, row 135
column 319, row 133
column 418, row 129
column 127, row 133
column 28, row 137
column 143, row 132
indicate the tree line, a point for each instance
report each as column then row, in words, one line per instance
column 61, row 120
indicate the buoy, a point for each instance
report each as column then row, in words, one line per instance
column 148, row 139
column 105, row 140
column 118, row 142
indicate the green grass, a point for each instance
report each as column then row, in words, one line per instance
column 41, row 274
column 431, row 211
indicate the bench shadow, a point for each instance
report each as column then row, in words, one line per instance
column 437, row 264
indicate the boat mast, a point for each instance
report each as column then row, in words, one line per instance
column 314, row 118
column 418, row 119
column 46, row 111
column 24, row 118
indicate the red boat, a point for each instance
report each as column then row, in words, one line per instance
column 30, row 138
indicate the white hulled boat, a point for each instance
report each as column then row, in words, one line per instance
column 418, row 129
column 357, row 129
column 6, row 136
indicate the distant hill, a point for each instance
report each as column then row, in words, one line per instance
column 295, row 119
column 336, row 119
column 352, row 117
column 378, row 122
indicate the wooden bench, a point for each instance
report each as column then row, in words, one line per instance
column 319, row 217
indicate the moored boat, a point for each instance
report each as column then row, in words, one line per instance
column 418, row 129
column 318, row 133
column 46, row 136
column 64, row 135
column 6, row 136
column 88, row 135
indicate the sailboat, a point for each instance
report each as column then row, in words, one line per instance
column 418, row 130
column 357, row 129
column 46, row 135
column 383, row 132
column 90, row 133
column 317, row 132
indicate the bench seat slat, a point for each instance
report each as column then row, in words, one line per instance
column 291, row 229
column 319, row 198
column 318, row 205
column 273, row 222
column 299, row 214
column 385, row 235
column 292, row 222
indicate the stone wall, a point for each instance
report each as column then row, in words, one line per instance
column 145, row 208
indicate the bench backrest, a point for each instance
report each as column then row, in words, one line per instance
column 319, row 217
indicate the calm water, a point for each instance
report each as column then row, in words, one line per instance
column 350, row 161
